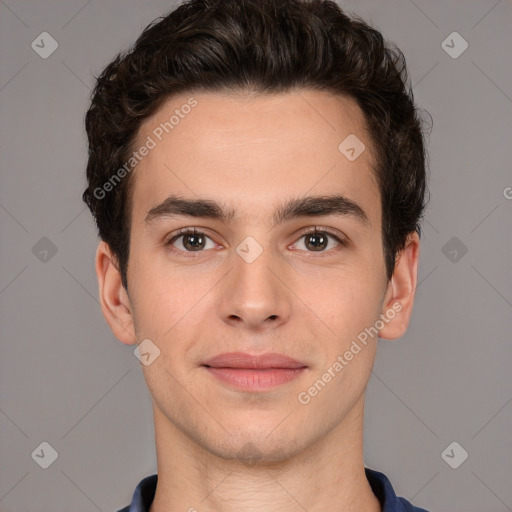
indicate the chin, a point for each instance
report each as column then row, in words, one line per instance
column 254, row 449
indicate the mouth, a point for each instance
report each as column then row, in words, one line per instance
column 254, row 372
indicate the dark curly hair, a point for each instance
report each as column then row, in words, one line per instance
column 263, row 46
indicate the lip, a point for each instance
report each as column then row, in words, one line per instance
column 262, row 361
column 254, row 372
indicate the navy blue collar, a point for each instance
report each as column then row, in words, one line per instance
column 379, row 482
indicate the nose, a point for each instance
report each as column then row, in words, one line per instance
column 254, row 293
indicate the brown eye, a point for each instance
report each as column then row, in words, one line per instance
column 191, row 241
column 319, row 240
column 316, row 241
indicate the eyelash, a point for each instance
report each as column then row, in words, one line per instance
column 192, row 231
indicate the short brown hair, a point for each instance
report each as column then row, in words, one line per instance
column 264, row 46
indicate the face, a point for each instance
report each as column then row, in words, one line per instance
column 241, row 270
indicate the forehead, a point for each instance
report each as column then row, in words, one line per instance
column 251, row 153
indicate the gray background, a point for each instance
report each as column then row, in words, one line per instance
column 66, row 380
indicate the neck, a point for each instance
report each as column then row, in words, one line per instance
column 327, row 475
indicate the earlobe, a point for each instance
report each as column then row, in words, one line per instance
column 399, row 299
column 115, row 303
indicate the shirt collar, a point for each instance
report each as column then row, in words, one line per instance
column 382, row 488
column 379, row 482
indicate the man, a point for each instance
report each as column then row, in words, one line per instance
column 257, row 174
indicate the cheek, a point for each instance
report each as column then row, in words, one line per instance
column 171, row 307
column 346, row 299
column 154, row 298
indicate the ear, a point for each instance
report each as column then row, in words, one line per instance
column 114, row 300
column 399, row 298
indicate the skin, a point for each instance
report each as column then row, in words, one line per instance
column 251, row 154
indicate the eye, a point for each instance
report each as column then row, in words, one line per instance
column 192, row 241
column 318, row 240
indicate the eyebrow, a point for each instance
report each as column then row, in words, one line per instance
column 309, row 206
